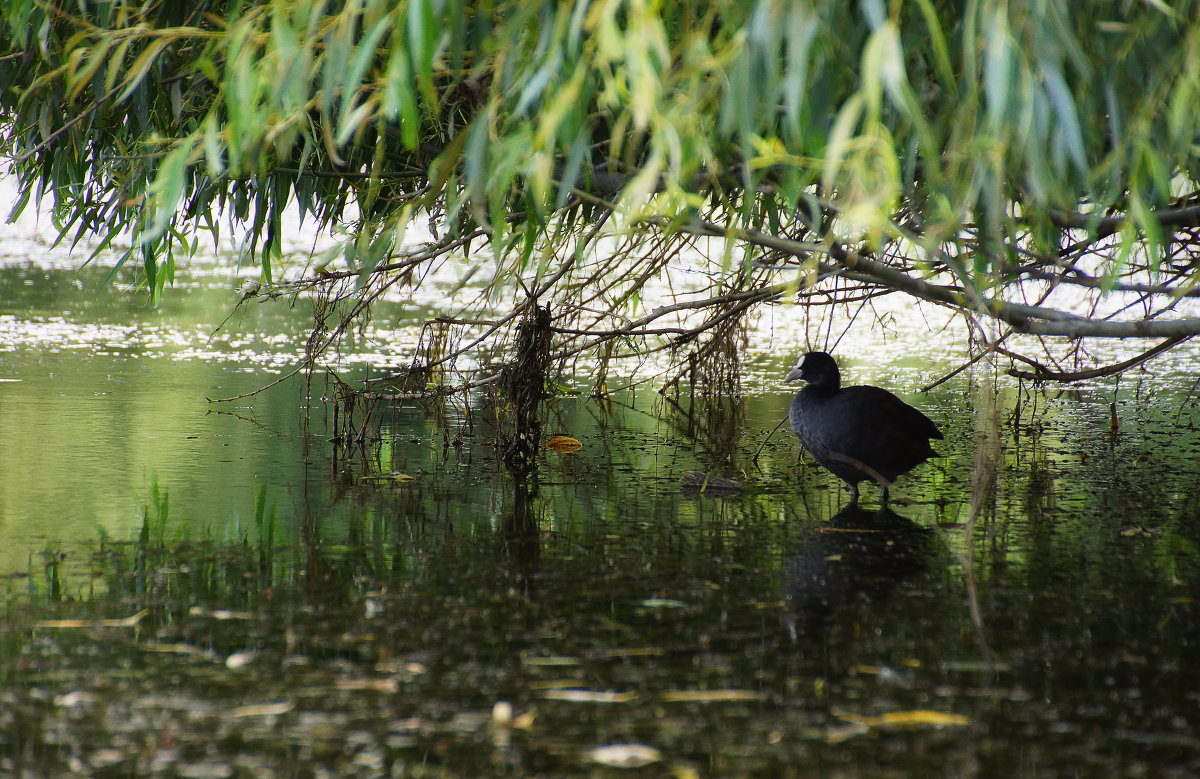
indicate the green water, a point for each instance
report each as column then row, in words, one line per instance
column 294, row 607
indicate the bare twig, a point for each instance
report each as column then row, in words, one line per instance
column 1044, row 374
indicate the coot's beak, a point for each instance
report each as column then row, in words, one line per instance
column 793, row 374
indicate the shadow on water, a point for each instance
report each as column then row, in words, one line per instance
column 860, row 557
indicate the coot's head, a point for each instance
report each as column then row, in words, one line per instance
column 819, row 370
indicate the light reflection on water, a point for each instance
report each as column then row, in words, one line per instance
column 88, row 434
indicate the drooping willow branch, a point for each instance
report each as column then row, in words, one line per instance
column 587, row 295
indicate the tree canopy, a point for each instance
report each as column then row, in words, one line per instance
column 1031, row 165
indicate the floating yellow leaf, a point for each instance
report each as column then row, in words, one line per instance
column 918, row 717
column 910, row 719
column 857, row 725
column 563, row 444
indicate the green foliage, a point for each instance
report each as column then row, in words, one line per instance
column 964, row 139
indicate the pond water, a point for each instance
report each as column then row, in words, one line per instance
column 206, row 590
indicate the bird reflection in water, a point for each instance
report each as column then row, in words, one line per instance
column 860, row 556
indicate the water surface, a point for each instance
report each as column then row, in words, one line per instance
column 201, row 589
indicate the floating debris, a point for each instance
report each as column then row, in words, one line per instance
column 590, row 696
column 174, row 649
column 503, row 719
column 625, row 755
column 74, row 699
column 127, row 622
column 640, row 651
column 663, row 603
column 372, row 685
column 240, row 659
column 909, row 719
column 553, row 661
column 711, row 696
column 264, row 709
column 219, row 614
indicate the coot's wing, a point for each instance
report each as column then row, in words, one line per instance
column 881, row 408
column 885, row 429
column 918, row 423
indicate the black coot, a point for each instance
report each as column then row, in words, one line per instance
column 857, row 433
